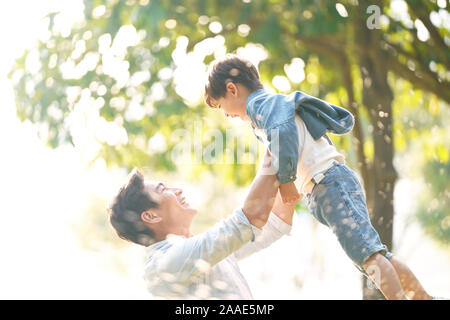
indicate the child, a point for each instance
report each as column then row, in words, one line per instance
column 294, row 128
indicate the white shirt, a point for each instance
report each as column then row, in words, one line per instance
column 205, row 266
column 314, row 156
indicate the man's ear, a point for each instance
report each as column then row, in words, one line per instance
column 150, row 216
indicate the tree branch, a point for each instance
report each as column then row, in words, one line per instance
column 330, row 49
column 440, row 89
column 419, row 10
column 422, row 66
column 400, row 50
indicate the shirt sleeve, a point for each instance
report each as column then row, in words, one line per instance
column 283, row 144
column 276, row 116
column 189, row 257
column 274, row 229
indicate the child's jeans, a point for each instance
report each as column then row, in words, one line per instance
column 338, row 202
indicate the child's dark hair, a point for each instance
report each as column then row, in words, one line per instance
column 233, row 69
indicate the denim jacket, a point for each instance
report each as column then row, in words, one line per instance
column 275, row 114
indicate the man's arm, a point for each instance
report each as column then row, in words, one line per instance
column 278, row 225
column 261, row 196
column 228, row 235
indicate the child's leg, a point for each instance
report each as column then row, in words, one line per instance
column 338, row 202
column 383, row 273
column 411, row 286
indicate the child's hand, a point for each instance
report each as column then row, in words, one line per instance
column 289, row 193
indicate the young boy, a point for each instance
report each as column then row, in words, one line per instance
column 294, row 128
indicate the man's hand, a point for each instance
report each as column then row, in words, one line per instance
column 289, row 193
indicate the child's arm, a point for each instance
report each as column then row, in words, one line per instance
column 284, row 145
column 284, row 211
column 277, row 119
column 289, row 193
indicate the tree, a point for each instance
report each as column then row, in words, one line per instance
column 124, row 50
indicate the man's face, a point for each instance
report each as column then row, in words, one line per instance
column 174, row 209
column 233, row 104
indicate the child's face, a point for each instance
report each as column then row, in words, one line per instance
column 233, row 104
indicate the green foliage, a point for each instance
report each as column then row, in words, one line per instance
column 67, row 78
column 434, row 209
column 420, row 133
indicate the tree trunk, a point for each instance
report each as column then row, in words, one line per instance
column 358, row 137
column 377, row 97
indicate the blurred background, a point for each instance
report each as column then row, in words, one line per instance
column 91, row 89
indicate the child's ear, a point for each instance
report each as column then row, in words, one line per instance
column 231, row 88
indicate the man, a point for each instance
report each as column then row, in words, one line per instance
column 183, row 266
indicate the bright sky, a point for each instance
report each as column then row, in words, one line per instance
column 43, row 192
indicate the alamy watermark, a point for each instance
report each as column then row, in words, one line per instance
column 374, row 280
column 221, row 148
column 373, row 21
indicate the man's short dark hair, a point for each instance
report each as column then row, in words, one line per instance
column 233, row 69
column 126, row 209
